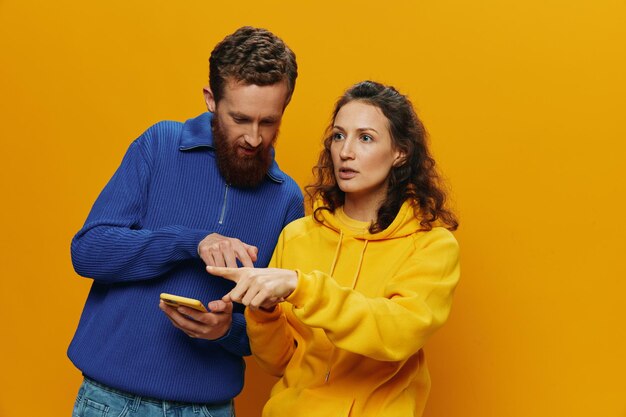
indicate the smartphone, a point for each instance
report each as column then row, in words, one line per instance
column 176, row 300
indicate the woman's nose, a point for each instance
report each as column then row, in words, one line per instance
column 347, row 151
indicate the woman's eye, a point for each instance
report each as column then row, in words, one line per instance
column 337, row 136
column 367, row 138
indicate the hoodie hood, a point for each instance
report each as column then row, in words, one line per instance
column 403, row 225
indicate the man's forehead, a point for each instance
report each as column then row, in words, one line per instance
column 234, row 82
column 233, row 86
column 254, row 100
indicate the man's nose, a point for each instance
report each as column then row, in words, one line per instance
column 253, row 138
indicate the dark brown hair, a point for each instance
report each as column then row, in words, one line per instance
column 253, row 56
column 414, row 179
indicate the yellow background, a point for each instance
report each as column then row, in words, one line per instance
column 525, row 104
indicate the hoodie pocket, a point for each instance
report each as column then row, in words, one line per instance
column 307, row 403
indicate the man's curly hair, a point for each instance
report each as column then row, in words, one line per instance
column 252, row 56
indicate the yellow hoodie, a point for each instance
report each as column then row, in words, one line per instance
column 348, row 341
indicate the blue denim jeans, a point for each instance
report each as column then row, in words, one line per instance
column 97, row 400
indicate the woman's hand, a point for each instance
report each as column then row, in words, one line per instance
column 257, row 287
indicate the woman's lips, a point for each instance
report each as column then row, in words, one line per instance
column 347, row 173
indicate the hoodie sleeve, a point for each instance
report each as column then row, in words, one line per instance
column 271, row 340
column 416, row 302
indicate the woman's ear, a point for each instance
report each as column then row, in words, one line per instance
column 399, row 159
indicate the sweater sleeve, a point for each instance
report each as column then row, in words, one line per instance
column 236, row 340
column 113, row 246
column 416, row 302
column 296, row 207
column 271, row 340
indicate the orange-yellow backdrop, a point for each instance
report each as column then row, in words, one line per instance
column 525, row 103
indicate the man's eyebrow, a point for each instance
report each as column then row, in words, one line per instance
column 238, row 115
column 243, row 116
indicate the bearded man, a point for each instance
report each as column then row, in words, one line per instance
column 186, row 195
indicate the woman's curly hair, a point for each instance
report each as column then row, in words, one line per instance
column 415, row 179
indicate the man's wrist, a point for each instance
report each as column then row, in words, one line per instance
column 225, row 334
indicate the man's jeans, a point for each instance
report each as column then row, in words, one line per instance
column 97, row 400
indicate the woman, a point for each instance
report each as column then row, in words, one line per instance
column 358, row 287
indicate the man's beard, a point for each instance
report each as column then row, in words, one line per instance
column 239, row 171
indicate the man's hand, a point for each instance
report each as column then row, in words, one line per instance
column 218, row 250
column 257, row 287
column 210, row 326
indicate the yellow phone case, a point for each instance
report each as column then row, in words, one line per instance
column 177, row 300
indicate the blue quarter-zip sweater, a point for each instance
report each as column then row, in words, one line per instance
column 140, row 239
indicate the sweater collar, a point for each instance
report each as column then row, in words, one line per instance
column 197, row 133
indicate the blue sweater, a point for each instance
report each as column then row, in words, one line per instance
column 140, row 239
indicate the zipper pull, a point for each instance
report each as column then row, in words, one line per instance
column 327, row 377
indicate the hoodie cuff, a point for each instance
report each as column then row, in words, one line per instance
column 299, row 295
column 263, row 316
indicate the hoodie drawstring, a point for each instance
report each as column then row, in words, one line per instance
column 332, row 265
column 353, row 286
column 336, row 257
column 358, row 268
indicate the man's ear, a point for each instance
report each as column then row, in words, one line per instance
column 209, row 99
